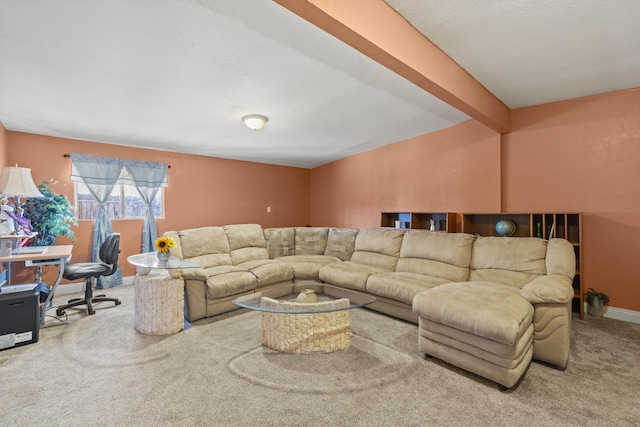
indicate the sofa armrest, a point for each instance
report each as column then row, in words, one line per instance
column 555, row 288
column 195, row 274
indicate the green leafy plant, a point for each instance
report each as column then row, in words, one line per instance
column 51, row 216
column 593, row 296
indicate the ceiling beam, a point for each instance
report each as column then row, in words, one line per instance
column 379, row 32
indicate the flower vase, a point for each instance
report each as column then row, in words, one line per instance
column 163, row 256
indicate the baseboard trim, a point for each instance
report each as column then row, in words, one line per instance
column 623, row 314
column 74, row 288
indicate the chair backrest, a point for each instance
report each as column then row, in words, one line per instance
column 109, row 250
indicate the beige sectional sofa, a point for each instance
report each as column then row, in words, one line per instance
column 486, row 304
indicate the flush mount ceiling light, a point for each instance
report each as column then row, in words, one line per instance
column 255, row 121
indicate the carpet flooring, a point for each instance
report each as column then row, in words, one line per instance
column 98, row 371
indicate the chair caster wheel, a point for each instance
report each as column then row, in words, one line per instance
column 59, row 312
column 91, row 312
column 118, row 302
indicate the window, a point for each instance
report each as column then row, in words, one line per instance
column 124, row 203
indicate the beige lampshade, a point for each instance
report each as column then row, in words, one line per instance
column 17, row 182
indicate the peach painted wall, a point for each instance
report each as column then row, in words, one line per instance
column 583, row 155
column 3, row 145
column 453, row 170
column 202, row 190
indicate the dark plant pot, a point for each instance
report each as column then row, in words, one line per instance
column 597, row 309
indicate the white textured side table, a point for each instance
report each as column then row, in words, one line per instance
column 158, row 303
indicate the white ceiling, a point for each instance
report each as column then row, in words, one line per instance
column 529, row 52
column 178, row 75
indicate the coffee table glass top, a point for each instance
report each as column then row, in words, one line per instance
column 291, row 293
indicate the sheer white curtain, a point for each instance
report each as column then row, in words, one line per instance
column 147, row 177
column 100, row 175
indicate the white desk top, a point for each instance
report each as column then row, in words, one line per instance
column 51, row 252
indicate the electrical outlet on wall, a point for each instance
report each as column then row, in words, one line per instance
column 268, row 209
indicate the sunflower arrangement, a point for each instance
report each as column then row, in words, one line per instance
column 163, row 244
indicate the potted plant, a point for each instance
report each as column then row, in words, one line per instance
column 51, row 216
column 596, row 303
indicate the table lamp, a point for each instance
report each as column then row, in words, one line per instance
column 17, row 182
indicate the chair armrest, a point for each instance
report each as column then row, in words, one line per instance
column 555, row 288
column 195, row 274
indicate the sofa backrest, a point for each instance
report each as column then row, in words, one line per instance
column 280, row 241
column 508, row 260
column 378, row 247
column 444, row 255
column 341, row 243
column 335, row 242
column 561, row 258
column 311, row 240
column 177, row 250
column 207, row 246
column 246, row 242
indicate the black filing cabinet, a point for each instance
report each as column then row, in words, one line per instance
column 19, row 315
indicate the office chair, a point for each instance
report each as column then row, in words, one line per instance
column 108, row 254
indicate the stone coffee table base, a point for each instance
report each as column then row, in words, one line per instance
column 322, row 332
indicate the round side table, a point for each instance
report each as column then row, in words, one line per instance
column 159, row 294
column 158, row 303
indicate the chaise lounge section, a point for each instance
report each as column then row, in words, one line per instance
column 515, row 307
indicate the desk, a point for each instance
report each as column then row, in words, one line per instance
column 51, row 255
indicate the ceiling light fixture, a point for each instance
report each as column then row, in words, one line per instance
column 255, row 121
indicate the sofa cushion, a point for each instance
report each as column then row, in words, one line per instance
column 311, row 240
column 445, row 255
column 401, row 286
column 207, row 246
column 246, row 242
column 307, row 267
column 378, row 247
column 341, row 243
column 280, row 242
column 348, row 274
column 509, row 260
column 490, row 310
column 268, row 271
column 228, row 280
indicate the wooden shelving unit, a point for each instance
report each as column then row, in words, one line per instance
column 419, row 220
column 563, row 225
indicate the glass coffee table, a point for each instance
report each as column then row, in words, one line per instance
column 305, row 317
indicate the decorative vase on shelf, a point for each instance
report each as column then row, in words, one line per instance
column 163, row 256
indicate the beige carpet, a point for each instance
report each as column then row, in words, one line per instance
column 97, row 371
